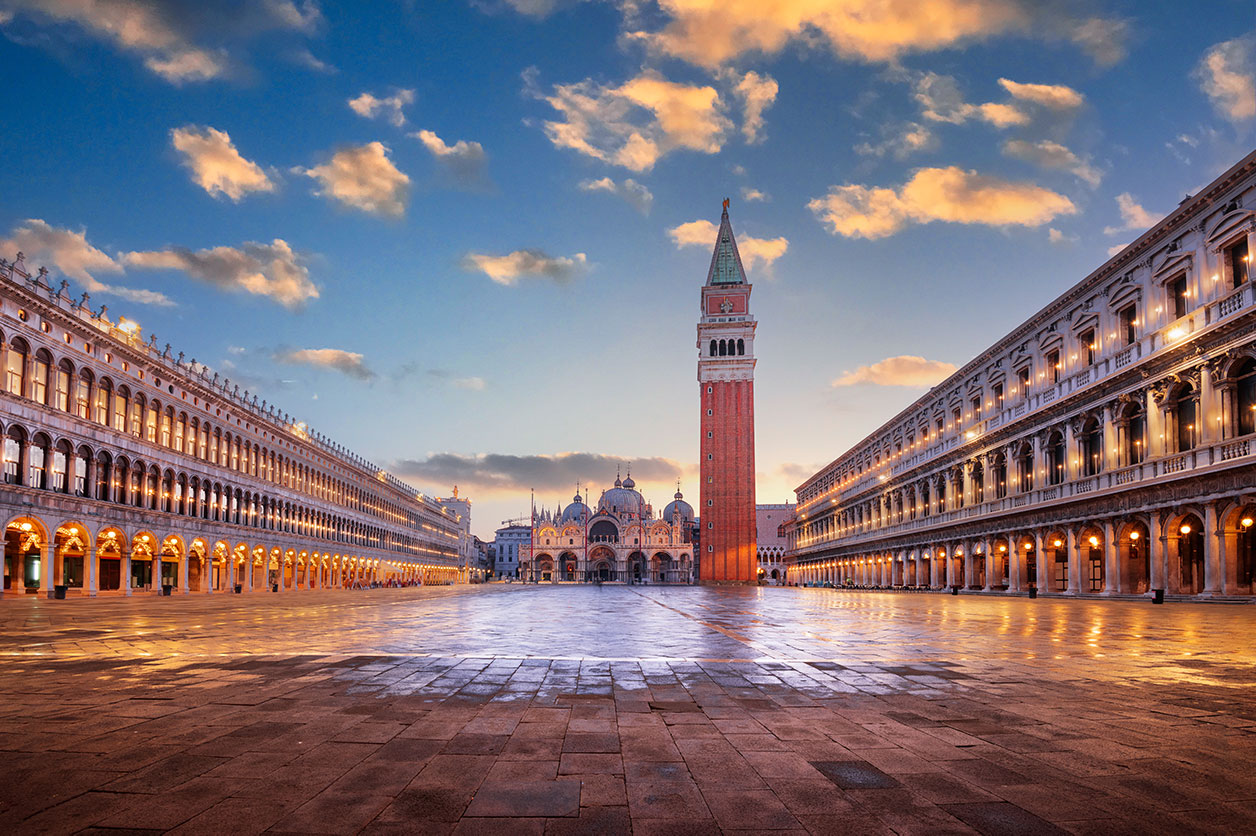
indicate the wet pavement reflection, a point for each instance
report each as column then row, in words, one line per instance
column 626, row 709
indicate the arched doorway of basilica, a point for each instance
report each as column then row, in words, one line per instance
column 637, row 571
column 602, row 561
column 567, row 566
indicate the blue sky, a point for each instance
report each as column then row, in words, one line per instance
column 466, row 239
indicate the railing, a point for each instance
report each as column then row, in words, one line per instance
column 1204, row 456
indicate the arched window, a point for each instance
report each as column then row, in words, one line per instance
column 60, row 463
column 180, row 431
column 1184, row 409
column 138, row 474
column 121, row 480
column 167, row 426
column 13, row 441
column 121, row 400
column 941, row 495
column 104, row 398
column 38, row 455
column 104, row 475
column 154, row 488
column 1057, row 463
column 43, row 364
column 1025, row 467
column 999, row 474
column 1245, row 397
column 151, row 420
column 1092, row 447
column 714, row 348
column 15, row 368
column 723, row 348
column 741, row 347
column 65, row 374
column 82, row 456
column 1134, row 441
column 137, row 416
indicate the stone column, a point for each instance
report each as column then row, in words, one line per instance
column 184, row 586
column 93, row 572
column 1157, row 442
column 1157, row 554
column 1044, row 569
column 970, row 563
column 249, row 570
column 231, row 572
column 1074, row 561
column 988, row 554
column 124, row 562
column 1014, row 567
column 1214, row 551
column 1110, row 460
column 1208, row 413
column 950, row 566
column 1111, row 559
column 47, row 568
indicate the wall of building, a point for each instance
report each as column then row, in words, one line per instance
column 1106, row 445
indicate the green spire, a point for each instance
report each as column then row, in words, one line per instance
column 726, row 261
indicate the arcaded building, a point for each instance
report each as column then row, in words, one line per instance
column 1106, row 446
column 128, row 468
column 620, row 540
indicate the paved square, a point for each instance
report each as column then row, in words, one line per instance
column 625, row 709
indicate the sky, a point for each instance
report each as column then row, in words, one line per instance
column 466, row 239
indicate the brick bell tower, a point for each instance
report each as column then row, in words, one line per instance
column 726, row 386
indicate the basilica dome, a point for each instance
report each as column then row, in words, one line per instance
column 622, row 499
column 576, row 512
column 686, row 510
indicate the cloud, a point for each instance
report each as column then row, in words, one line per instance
column 1053, row 155
column 444, row 376
column 390, row 108
column 941, row 101
column 70, row 254
column 937, row 194
column 1051, row 96
column 164, row 34
column 1116, row 248
column 714, row 34
column 474, row 384
column 1134, row 218
column 216, row 165
column 508, row 269
column 756, row 94
column 1226, row 75
column 903, row 370
column 753, row 250
column 363, row 177
column 636, row 123
column 900, row 142
column 1059, row 238
column 558, row 472
column 272, row 270
column 463, row 160
column 753, row 195
column 304, row 58
column 635, row 194
column 345, row 362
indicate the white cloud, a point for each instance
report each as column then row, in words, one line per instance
column 1134, row 218
column 272, row 270
column 629, row 190
column 753, row 195
column 1053, row 155
column 364, row 178
column 636, row 123
column 903, row 370
column 712, row 34
column 464, row 160
column 1059, row 238
column 508, row 269
column 164, row 33
column 1226, row 75
column 937, row 194
column 70, row 254
column 492, row 472
column 345, row 362
column 1050, row 96
column 369, row 106
column 900, row 142
column 753, row 250
column 304, row 58
column 216, row 165
column 1116, row 248
column 474, row 384
column 941, row 101
column 756, row 94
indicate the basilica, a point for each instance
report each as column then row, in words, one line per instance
column 621, row 540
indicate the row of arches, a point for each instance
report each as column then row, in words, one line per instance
column 1205, row 549
column 726, row 348
column 37, row 374
column 606, row 565
column 38, row 460
column 40, row 555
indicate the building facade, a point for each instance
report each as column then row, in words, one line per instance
column 621, row 540
column 1107, row 446
column 508, row 542
column 726, row 392
column 772, row 523
column 127, row 468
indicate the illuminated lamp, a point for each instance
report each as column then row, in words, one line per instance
column 1133, row 535
column 1185, row 529
column 1246, row 522
column 1094, row 541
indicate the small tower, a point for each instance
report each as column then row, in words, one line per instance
column 726, row 389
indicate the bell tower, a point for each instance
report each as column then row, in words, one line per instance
column 726, row 391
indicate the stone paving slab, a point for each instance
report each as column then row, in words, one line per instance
column 625, row 710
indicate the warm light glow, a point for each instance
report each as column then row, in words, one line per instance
column 1175, row 333
column 26, row 526
column 1057, row 543
column 1002, row 548
column 1185, row 529
column 1246, row 522
column 1133, row 535
column 1094, row 541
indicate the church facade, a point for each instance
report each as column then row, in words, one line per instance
column 619, row 541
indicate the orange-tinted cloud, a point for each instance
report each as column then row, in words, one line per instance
column 903, row 370
column 754, row 251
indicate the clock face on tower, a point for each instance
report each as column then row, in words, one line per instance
column 726, row 306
